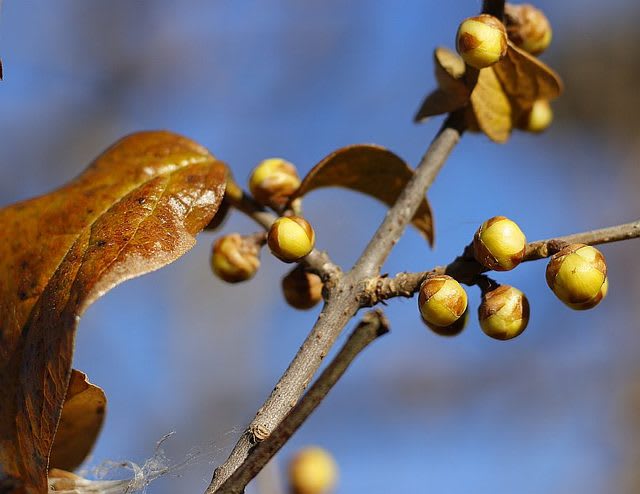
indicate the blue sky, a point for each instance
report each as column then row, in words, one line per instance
column 178, row 350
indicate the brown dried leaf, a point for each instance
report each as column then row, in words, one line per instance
column 452, row 92
column 80, row 422
column 372, row 170
column 525, row 78
column 491, row 107
column 449, row 69
column 134, row 210
column 439, row 102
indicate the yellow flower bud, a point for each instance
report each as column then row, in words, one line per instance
column 528, row 27
column 504, row 312
column 481, row 41
column 578, row 276
column 453, row 329
column 291, row 238
column 302, row 290
column 235, row 258
column 442, row 301
column 539, row 118
column 499, row 244
column 273, row 182
column 312, row 471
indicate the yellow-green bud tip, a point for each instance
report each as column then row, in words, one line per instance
column 291, row 238
column 578, row 276
column 273, row 182
column 312, row 471
column 442, row 301
column 499, row 244
column 481, row 41
column 503, row 313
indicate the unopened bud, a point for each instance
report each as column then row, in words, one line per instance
column 539, row 118
column 312, row 471
column 442, row 301
column 235, row 258
column 273, row 182
column 481, row 41
column 528, row 27
column 499, row 244
column 291, row 238
column 302, row 290
column 504, row 312
column 578, row 276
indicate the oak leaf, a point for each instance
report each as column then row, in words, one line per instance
column 134, row 210
column 372, row 170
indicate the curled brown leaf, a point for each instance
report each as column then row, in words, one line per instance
column 372, row 170
column 134, row 210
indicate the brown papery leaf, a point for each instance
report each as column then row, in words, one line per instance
column 525, row 78
column 452, row 92
column 449, row 69
column 491, row 107
column 439, row 102
column 372, row 170
column 80, row 422
column 134, row 210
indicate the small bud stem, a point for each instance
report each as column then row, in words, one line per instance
column 494, row 8
column 485, row 283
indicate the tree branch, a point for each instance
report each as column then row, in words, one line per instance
column 344, row 298
column 372, row 326
column 466, row 269
column 342, row 304
column 399, row 216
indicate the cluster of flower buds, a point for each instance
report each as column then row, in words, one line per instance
column 312, row 471
column 483, row 40
column 235, row 258
column 577, row 274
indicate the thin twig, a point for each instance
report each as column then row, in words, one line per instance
column 373, row 325
column 465, row 268
column 626, row 231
